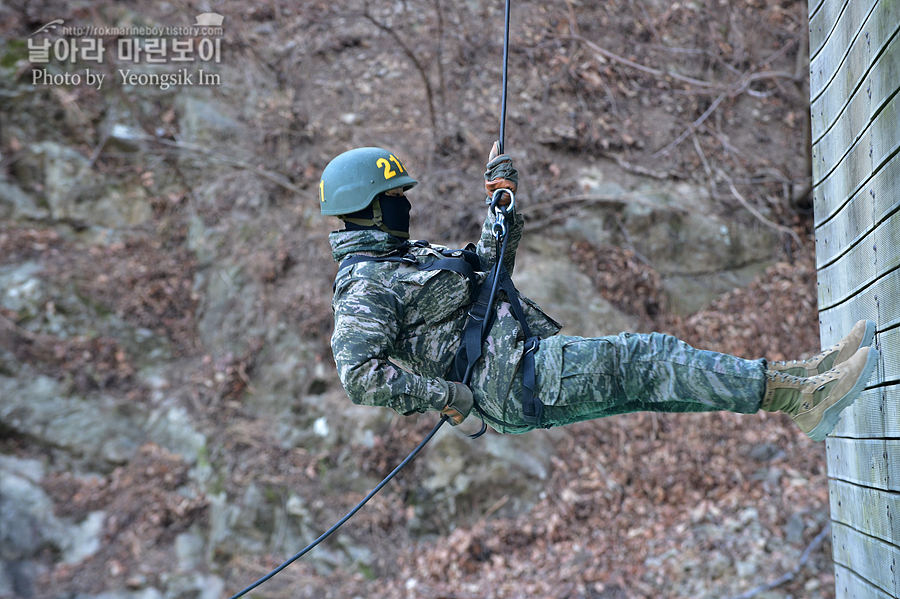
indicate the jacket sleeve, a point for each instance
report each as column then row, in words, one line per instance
column 487, row 245
column 367, row 319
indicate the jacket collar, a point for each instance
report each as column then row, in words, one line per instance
column 375, row 243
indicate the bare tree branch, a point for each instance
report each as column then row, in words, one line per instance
column 788, row 576
column 15, row 329
column 429, row 93
column 214, row 156
column 742, row 86
column 728, row 90
column 706, row 114
column 758, row 215
column 645, row 69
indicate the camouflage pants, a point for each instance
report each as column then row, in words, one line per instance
column 585, row 378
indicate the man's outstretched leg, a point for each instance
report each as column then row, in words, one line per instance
column 635, row 372
column 631, row 372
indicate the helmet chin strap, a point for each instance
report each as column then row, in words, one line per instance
column 375, row 221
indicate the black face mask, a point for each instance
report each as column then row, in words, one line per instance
column 386, row 213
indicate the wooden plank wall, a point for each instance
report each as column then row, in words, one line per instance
column 855, row 107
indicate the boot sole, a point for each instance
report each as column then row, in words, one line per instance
column 832, row 414
column 868, row 336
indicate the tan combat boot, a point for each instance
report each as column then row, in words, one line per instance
column 860, row 335
column 815, row 403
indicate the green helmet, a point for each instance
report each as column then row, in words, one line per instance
column 352, row 180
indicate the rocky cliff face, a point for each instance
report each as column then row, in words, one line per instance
column 170, row 418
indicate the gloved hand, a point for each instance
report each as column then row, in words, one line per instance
column 459, row 402
column 500, row 174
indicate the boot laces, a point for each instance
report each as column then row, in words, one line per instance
column 813, row 360
column 797, row 383
column 788, row 378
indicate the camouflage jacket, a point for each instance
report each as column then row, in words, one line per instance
column 397, row 328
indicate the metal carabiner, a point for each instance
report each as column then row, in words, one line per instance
column 500, row 212
column 499, row 229
column 499, row 192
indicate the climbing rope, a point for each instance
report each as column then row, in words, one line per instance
column 504, row 79
column 500, row 235
column 349, row 515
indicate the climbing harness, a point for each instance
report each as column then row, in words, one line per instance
column 464, row 263
column 481, row 318
column 481, row 313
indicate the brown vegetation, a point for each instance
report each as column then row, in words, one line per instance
column 711, row 92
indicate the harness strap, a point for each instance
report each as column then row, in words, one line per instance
column 464, row 265
column 477, row 326
column 532, row 408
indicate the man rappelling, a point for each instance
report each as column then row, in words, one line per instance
column 404, row 312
